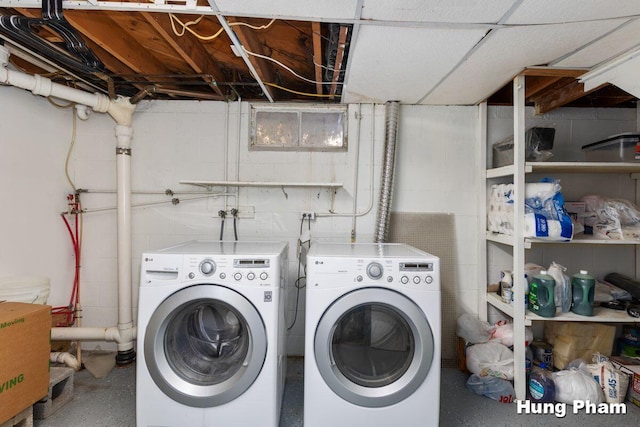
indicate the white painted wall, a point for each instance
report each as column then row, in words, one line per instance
column 436, row 172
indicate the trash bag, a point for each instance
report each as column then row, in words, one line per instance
column 474, row 331
column 576, row 384
column 495, row 388
column 490, row 359
column 503, row 333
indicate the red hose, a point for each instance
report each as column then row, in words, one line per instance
column 75, row 295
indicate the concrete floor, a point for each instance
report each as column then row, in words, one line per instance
column 110, row 402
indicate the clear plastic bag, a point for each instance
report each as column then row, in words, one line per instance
column 472, row 330
column 492, row 387
column 490, row 359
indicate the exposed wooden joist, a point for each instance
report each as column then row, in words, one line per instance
column 561, row 96
column 536, row 84
column 190, row 50
column 552, row 72
column 110, row 36
column 248, row 40
column 109, row 61
column 317, row 54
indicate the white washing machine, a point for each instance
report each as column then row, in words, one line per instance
column 372, row 336
column 211, row 332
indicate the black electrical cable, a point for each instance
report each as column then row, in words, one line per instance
column 235, row 228
column 234, row 212
column 299, row 277
column 222, row 214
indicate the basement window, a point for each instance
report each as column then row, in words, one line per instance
column 296, row 128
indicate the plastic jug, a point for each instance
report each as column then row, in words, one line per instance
column 582, row 289
column 541, row 295
column 542, row 387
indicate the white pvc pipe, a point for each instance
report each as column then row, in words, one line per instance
column 124, row 135
column 66, row 358
column 355, row 176
column 121, row 110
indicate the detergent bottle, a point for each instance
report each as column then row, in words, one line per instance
column 541, row 295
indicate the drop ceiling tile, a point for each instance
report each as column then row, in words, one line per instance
column 325, row 10
column 611, row 45
column 455, row 11
column 403, row 63
column 567, row 11
column 506, row 52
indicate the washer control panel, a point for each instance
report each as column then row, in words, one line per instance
column 245, row 271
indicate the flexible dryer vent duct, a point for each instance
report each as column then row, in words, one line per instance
column 392, row 112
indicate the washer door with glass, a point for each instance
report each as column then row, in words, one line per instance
column 373, row 347
column 205, row 345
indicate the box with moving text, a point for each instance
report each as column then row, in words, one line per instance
column 25, row 344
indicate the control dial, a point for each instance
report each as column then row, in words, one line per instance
column 207, row 267
column 374, row 270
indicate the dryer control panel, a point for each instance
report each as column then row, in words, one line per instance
column 386, row 272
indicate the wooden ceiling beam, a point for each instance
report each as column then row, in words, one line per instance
column 114, row 39
column 190, row 50
column 317, row 54
column 342, row 41
column 561, row 96
column 110, row 62
column 248, row 40
column 552, row 72
column 535, row 85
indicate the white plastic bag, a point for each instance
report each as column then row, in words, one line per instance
column 503, row 333
column 490, row 359
column 474, row 331
column 576, row 384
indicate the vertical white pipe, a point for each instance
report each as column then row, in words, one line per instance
column 121, row 110
column 354, row 214
column 124, row 135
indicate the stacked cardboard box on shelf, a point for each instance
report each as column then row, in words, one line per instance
column 25, row 335
column 578, row 340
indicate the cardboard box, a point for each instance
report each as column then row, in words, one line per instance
column 630, row 367
column 578, row 340
column 25, row 336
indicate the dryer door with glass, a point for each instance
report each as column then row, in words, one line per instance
column 373, row 347
column 205, row 345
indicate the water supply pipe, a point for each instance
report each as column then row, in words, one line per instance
column 392, row 113
column 121, row 111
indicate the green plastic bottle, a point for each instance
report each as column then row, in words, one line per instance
column 582, row 290
column 541, row 295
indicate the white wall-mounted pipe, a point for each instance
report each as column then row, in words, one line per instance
column 121, row 110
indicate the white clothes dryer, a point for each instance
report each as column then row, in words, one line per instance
column 211, row 331
column 372, row 336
